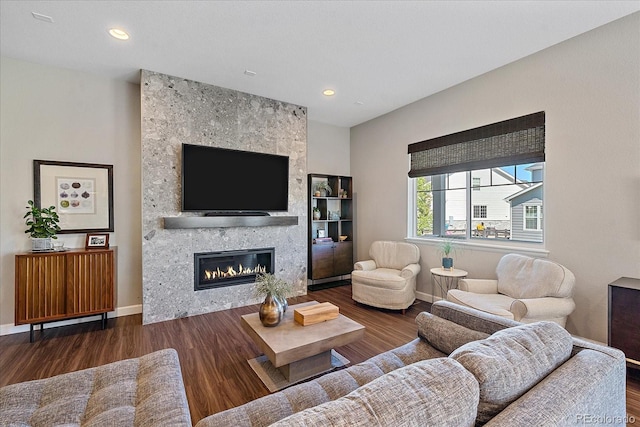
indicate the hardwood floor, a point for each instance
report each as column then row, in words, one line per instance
column 213, row 349
column 633, row 394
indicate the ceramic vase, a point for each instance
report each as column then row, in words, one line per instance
column 284, row 303
column 271, row 311
column 447, row 263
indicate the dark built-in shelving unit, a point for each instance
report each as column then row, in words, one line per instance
column 329, row 258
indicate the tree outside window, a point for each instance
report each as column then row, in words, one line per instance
column 424, row 207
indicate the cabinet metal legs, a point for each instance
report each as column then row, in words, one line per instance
column 103, row 325
column 31, row 331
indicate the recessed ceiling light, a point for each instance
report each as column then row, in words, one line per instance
column 359, row 103
column 250, row 73
column 119, row 34
column 328, row 92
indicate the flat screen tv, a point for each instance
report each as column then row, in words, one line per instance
column 231, row 181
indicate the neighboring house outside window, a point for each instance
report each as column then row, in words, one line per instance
column 526, row 209
column 479, row 211
column 532, row 217
column 476, row 184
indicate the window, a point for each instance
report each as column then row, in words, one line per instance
column 479, row 211
column 532, row 217
column 481, row 183
column 508, row 209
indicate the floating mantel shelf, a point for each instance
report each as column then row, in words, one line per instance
column 227, row 221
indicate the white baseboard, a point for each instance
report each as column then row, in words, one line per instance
column 126, row 311
column 423, row 296
column 10, row 328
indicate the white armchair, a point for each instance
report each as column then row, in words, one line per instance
column 388, row 280
column 527, row 290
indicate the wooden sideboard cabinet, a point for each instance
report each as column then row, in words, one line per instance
column 55, row 286
column 624, row 323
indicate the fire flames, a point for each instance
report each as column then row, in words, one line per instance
column 232, row 272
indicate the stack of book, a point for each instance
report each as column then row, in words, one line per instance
column 324, row 240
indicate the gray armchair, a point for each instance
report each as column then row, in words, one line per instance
column 527, row 290
column 388, row 280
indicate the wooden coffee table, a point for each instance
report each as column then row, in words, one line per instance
column 300, row 352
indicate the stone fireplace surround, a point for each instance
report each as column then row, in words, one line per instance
column 176, row 110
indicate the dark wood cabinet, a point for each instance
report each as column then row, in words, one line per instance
column 329, row 255
column 624, row 319
column 321, row 261
column 55, row 286
column 331, row 259
column 343, row 258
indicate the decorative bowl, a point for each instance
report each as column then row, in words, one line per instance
column 343, row 238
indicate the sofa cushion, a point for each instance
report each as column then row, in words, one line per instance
column 431, row 392
column 386, row 278
column 513, row 360
column 147, row 391
column 444, row 335
column 496, row 304
column 588, row 389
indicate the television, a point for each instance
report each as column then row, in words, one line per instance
column 220, row 180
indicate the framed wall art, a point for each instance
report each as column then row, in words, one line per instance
column 81, row 192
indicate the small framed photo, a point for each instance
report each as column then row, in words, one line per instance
column 97, row 241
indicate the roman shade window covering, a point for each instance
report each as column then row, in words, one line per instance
column 510, row 142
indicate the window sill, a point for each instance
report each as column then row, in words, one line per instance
column 501, row 247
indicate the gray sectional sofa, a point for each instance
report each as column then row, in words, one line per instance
column 465, row 368
column 146, row 391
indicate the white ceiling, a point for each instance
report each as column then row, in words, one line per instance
column 382, row 54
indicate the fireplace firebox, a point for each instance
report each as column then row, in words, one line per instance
column 229, row 268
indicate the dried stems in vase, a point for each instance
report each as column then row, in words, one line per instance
column 267, row 283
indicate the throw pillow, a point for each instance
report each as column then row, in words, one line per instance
column 512, row 361
column 434, row 392
column 443, row 334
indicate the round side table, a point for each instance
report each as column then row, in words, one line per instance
column 445, row 279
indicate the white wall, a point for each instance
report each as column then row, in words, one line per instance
column 50, row 113
column 328, row 149
column 589, row 87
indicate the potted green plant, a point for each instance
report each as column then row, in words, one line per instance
column 446, row 249
column 323, row 187
column 316, row 213
column 275, row 291
column 43, row 226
